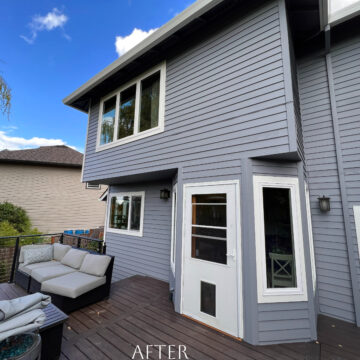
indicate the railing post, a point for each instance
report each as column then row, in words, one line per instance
column 14, row 259
column 61, row 240
column 78, row 242
column 100, row 247
column 104, row 248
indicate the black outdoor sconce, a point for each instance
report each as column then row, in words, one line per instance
column 164, row 194
column 324, row 203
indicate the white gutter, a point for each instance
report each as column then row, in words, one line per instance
column 185, row 17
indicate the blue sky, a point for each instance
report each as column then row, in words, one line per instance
column 49, row 48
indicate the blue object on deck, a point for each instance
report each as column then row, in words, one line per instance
column 79, row 232
column 87, row 231
column 70, row 232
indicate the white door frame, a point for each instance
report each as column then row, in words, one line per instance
column 238, row 245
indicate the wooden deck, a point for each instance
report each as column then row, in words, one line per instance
column 139, row 313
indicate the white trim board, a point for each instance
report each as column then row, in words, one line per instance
column 357, row 225
column 276, row 295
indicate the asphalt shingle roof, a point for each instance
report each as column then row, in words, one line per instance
column 59, row 155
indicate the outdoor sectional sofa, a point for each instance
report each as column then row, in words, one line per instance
column 72, row 277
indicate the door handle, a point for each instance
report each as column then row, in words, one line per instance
column 232, row 254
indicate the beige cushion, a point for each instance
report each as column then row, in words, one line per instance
column 21, row 256
column 60, row 250
column 37, row 255
column 95, row 264
column 74, row 258
column 29, row 268
column 42, row 274
column 72, row 285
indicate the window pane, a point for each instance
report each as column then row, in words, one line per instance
column 208, row 298
column 209, row 249
column 127, row 112
column 107, row 122
column 280, row 258
column 209, row 215
column 209, row 198
column 119, row 213
column 135, row 213
column 149, row 109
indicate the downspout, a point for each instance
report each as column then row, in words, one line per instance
column 341, row 175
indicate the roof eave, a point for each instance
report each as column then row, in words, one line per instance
column 192, row 12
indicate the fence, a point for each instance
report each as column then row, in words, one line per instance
column 10, row 248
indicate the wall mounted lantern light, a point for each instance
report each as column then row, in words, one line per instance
column 324, row 203
column 164, row 194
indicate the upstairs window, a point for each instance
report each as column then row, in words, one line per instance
column 134, row 111
column 126, row 213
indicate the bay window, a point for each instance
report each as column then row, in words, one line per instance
column 134, row 111
column 279, row 240
column 126, row 213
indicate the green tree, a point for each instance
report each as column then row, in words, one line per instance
column 16, row 216
column 5, row 97
column 6, row 229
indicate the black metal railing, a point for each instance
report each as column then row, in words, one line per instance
column 10, row 248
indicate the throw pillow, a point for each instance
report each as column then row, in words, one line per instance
column 37, row 255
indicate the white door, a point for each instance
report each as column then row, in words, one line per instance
column 211, row 254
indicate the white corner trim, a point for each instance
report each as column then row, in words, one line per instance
column 173, row 228
column 138, row 233
column 357, row 225
column 266, row 295
column 86, row 141
column 311, row 238
column 137, row 135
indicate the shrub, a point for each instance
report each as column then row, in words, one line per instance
column 7, row 229
column 16, row 216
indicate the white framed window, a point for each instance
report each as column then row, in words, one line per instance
column 279, row 240
column 126, row 213
column 134, row 111
column 93, row 186
column 173, row 228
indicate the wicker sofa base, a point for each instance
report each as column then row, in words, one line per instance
column 22, row 279
column 66, row 304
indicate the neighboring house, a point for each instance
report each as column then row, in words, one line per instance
column 46, row 183
column 245, row 112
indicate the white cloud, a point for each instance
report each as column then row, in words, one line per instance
column 125, row 43
column 19, row 143
column 336, row 5
column 52, row 20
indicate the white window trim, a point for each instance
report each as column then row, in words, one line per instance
column 93, row 186
column 356, row 209
column 137, row 135
column 173, row 229
column 276, row 295
column 138, row 233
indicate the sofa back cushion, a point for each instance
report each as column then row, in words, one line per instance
column 38, row 254
column 74, row 258
column 60, row 250
column 23, row 248
column 95, row 264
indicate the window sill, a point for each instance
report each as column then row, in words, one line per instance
column 125, row 232
column 282, row 295
column 130, row 138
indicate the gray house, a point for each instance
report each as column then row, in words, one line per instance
column 217, row 135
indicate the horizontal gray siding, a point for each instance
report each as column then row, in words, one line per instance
column 346, row 70
column 282, row 322
column 225, row 100
column 148, row 255
column 332, row 265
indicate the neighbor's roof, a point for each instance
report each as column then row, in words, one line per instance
column 59, row 155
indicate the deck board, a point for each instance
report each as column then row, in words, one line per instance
column 138, row 312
